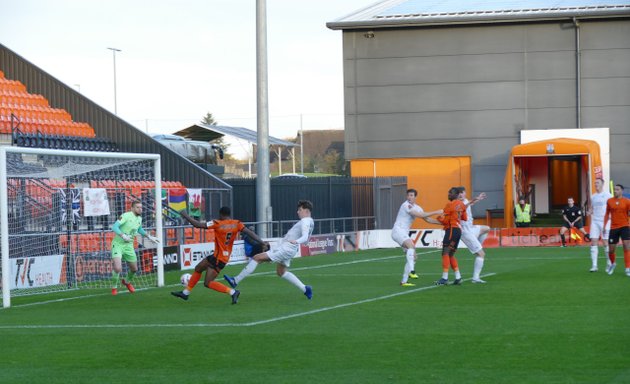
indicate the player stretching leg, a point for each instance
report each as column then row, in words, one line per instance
column 284, row 252
column 618, row 212
column 454, row 213
column 474, row 235
column 126, row 228
column 408, row 211
column 225, row 231
column 597, row 210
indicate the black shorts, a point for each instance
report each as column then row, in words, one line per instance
column 215, row 264
column 578, row 224
column 255, row 249
column 622, row 233
column 451, row 240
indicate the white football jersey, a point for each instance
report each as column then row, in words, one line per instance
column 301, row 231
column 598, row 202
column 468, row 224
column 404, row 219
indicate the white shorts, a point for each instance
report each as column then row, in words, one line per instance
column 283, row 253
column 597, row 230
column 400, row 236
column 471, row 239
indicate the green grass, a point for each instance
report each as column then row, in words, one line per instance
column 542, row 318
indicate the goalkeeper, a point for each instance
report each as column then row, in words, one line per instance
column 126, row 227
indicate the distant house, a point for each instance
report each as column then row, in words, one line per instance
column 316, row 142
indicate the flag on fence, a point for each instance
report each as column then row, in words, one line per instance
column 75, row 195
column 95, row 202
column 194, row 202
column 177, row 198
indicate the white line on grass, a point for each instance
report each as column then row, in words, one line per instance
column 253, row 274
column 217, row 325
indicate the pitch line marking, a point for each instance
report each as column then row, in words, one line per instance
column 225, row 325
column 253, row 274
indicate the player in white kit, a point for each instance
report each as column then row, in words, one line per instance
column 474, row 235
column 407, row 213
column 284, row 251
column 597, row 210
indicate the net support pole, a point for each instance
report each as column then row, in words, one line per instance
column 4, row 230
column 157, row 172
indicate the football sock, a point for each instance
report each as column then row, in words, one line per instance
column 248, row 270
column 454, row 264
column 218, row 287
column 594, row 252
column 194, row 279
column 562, row 239
column 290, row 277
column 411, row 253
column 612, row 257
column 482, row 238
column 606, row 250
column 478, row 265
column 409, row 265
column 626, row 257
column 115, row 279
column 458, row 275
column 406, row 272
column 445, row 264
column 130, row 275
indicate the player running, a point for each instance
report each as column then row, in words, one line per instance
column 597, row 210
column 284, row 252
column 454, row 213
column 407, row 213
column 225, row 231
column 126, row 227
column 618, row 212
column 474, row 235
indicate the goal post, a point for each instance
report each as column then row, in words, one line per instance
column 56, row 212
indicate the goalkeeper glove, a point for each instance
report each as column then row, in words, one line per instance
column 126, row 237
column 153, row 239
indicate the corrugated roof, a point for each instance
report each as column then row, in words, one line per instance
column 391, row 13
column 204, row 132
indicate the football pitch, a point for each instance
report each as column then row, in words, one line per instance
column 541, row 318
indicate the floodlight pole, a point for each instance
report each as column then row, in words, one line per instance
column 301, row 147
column 114, row 50
column 263, row 189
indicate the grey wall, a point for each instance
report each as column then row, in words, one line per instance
column 470, row 90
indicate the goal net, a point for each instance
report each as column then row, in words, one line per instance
column 57, row 209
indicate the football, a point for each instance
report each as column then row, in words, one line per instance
column 185, row 278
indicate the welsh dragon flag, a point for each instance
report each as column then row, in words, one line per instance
column 194, row 202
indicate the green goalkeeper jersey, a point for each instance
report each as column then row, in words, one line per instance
column 129, row 224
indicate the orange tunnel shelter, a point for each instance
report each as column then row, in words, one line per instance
column 524, row 156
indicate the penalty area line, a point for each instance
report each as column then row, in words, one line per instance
column 224, row 325
column 351, row 304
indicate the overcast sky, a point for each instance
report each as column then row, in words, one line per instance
column 181, row 59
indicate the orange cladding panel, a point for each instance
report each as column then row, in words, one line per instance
column 431, row 177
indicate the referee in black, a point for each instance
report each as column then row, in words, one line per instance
column 572, row 218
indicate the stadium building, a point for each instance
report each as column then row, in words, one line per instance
column 441, row 91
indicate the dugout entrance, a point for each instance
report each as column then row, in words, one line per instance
column 549, row 171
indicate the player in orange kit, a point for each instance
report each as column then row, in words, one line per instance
column 618, row 212
column 225, row 231
column 454, row 212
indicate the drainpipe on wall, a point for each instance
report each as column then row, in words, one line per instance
column 578, row 75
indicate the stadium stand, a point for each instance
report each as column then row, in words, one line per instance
column 27, row 113
column 31, row 122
